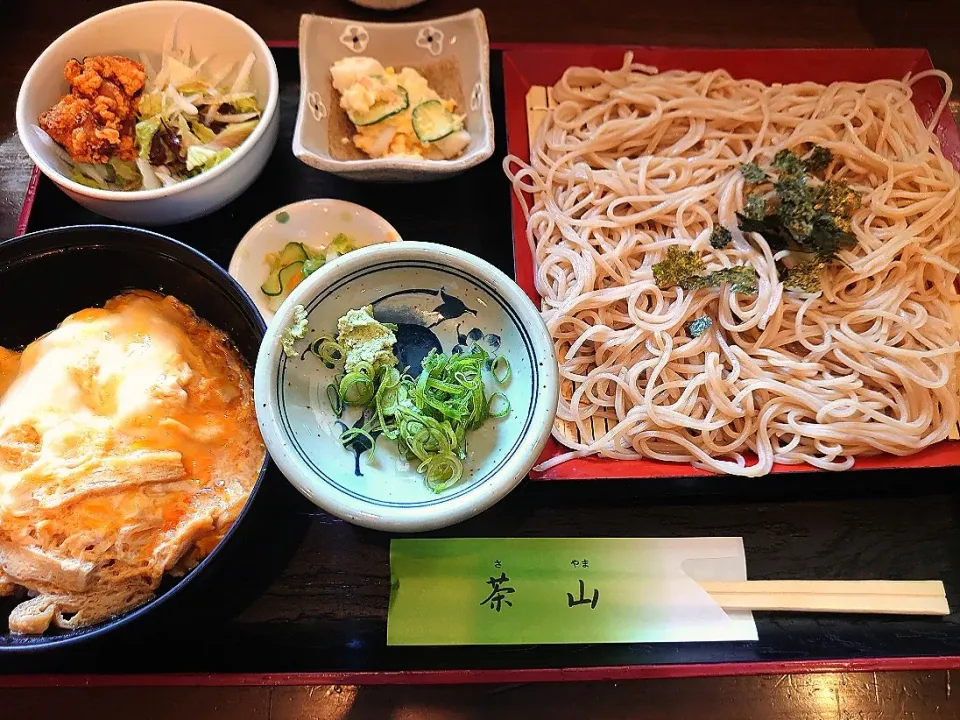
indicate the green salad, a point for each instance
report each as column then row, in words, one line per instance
column 191, row 116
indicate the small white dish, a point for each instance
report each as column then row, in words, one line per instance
column 439, row 297
column 453, row 53
column 311, row 222
column 141, row 28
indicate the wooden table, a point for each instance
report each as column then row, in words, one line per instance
column 344, row 569
column 830, row 696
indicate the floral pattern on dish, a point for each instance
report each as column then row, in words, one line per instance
column 430, row 38
column 355, row 37
column 317, row 108
column 476, row 97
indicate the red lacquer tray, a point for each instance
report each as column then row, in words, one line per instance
column 543, row 66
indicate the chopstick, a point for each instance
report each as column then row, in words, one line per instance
column 895, row 597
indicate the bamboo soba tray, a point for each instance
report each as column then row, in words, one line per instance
column 528, row 79
column 300, row 597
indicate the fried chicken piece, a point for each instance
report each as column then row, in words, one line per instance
column 97, row 120
column 87, row 79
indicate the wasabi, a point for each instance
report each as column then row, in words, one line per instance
column 295, row 331
column 365, row 340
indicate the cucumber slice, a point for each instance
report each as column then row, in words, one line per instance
column 290, row 273
column 396, row 102
column 292, row 253
column 432, row 121
column 272, row 287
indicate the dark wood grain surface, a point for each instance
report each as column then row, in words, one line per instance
column 300, row 591
column 829, row 696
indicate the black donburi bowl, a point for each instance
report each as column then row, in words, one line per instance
column 46, row 275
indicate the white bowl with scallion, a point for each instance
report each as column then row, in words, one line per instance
column 406, row 387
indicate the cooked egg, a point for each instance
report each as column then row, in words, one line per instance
column 128, row 439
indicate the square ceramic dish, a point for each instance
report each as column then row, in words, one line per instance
column 452, row 53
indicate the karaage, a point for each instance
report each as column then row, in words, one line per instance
column 96, row 121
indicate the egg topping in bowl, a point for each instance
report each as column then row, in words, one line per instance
column 128, row 446
column 397, row 114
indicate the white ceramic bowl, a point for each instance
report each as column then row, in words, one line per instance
column 439, row 297
column 453, row 51
column 141, row 27
column 311, row 222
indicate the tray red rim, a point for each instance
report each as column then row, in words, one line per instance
column 462, row 677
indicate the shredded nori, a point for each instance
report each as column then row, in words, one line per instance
column 787, row 163
column 720, row 237
column 698, row 326
column 678, row 269
column 837, row 200
column 811, row 218
column 753, row 173
column 742, row 278
column 818, row 160
column 805, row 276
column 685, row 268
column 755, row 207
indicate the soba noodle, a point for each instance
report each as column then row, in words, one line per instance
column 633, row 161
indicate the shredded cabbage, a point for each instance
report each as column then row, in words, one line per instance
column 179, row 74
column 341, row 244
column 185, row 131
column 190, row 117
column 125, row 172
column 150, row 179
column 150, row 104
column 79, row 176
column 243, row 77
column 232, row 135
column 116, row 174
column 245, row 105
column 144, row 133
column 204, row 157
column 203, row 133
column 164, row 176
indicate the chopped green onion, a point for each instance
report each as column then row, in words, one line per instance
column 428, row 416
column 328, row 350
column 356, row 388
column 336, row 402
column 441, row 471
column 501, row 399
column 500, row 369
